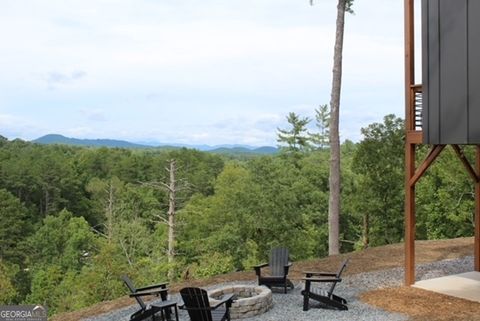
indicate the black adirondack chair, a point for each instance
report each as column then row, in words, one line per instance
column 279, row 265
column 327, row 298
column 196, row 303
column 145, row 310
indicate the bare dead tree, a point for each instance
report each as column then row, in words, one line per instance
column 173, row 186
column 109, row 211
column 172, row 191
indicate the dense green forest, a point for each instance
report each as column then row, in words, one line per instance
column 74, row 219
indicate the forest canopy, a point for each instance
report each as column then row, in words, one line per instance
column 75, row 219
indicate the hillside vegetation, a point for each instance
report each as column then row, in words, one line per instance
column 74, row 219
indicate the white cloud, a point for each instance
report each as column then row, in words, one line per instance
column 94, row 114
column 82, row 132
column 55, row 78
column 13, row 126
column 216, row 71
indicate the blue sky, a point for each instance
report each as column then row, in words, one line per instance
column 195, row 72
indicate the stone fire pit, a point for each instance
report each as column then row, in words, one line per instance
column 250, row 300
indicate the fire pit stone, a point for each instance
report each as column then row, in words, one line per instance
column 250, row 300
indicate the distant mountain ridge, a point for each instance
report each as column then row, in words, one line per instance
column 219, row 149
column 60, row 139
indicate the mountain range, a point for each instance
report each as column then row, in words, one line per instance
column 220, row 149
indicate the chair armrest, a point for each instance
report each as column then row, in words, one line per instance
column 286, row 267
column 312, row 273
column 324, row 279
column 258, row 268
column 226, row 299
column 148, row 292
column 183, row 307
column 160, row 285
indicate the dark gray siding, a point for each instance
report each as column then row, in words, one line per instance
column 451, row 71
column 474, row 70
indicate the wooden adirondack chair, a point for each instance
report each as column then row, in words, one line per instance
column 279, row 266
column 327, row 298
column 198, row 306
column 145, row 310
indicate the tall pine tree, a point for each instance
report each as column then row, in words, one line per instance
column 295, row 139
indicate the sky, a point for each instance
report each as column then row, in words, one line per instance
column 192, row 72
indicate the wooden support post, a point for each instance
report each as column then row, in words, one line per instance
column 411, row 178
column 475, row 175
column 409, row 145
column 409, row 66
column 477, row 212
column 409, row 215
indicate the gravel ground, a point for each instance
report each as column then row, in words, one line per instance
column 288, row 307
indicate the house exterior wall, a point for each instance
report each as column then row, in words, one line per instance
column 451, row 71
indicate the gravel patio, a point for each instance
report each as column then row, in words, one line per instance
column 289, row 306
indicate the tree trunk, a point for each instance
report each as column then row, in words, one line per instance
column 47, row 201
column 366, row 230
column 109, row 211
column 171, row 218
column 334, row 180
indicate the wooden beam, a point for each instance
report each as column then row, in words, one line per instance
column 476, row 255
column 432, row 155
column 461, row 155
column 414, row 137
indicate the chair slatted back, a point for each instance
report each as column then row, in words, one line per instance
column 278, row 260
column 339, row 274
column 133, row 289
column 196, row 303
